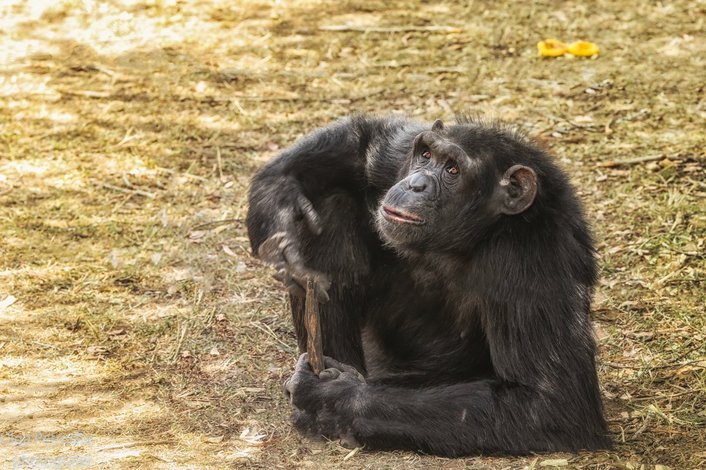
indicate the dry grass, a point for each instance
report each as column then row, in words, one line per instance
column 129, row 129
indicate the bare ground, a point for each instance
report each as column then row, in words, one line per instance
column 135, row 329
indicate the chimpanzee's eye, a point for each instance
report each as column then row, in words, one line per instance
column 426, row 154
column 452, row 169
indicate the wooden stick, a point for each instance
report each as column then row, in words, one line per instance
column 630, row 161
column 126, row 190
column 392, row 29
column 314, row 345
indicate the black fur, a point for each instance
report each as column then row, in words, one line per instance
column 471, row 326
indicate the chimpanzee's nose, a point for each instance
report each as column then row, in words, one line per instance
column 418, row 182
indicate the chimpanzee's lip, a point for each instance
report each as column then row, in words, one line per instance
column 401, row 216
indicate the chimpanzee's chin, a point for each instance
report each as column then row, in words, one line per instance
column 398, row 234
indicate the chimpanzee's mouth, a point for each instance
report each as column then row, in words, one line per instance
column 401, row 216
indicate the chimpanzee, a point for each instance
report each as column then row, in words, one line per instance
column 455, row 270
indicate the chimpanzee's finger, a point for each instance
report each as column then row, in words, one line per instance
column 334, row 364
column 322, row 285
column 270, row 251
column 305, row 423
column 321, row 282
column 293, row 259
column 329, row 374
column 288, row 389
column 349, row 441
column 302, row 363
column 295, row 289
column 286, row 255
column 313, row 222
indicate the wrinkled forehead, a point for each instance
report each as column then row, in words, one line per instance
column 440, row 146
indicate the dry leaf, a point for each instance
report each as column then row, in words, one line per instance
column 7, row 301
column 600, row 332
column 686, row 369
column 351, row 454
column 583, row 119
column 228, row 251
column 197, row 234
column 251, row 436
column 98, row 351
column 114, row 260
column 554, row 463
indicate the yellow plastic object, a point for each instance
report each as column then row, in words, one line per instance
column 551, row 48
column 583, row 49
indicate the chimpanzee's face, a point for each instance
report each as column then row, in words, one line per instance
column 450, row 192
column 431, row 194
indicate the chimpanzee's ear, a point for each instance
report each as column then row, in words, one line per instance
column 438, row 126
column 518, row 187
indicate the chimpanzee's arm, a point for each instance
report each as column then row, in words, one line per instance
column 309, row 218
column 283, row 189
column 484, row 416
column 543, row 398
column 336, row 157
column 356, row 157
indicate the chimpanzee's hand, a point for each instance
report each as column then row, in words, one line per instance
column 283, row 250
column 324, row 405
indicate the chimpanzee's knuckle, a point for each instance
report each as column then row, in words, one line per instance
column 288, row 389
column 296, row 290
column 304, row 422
column 349, row 441
column 332, row 363
column 302, row 363
column 329, row 374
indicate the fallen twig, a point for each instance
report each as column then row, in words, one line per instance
column 220, row 164
column 390, row 29
column 670, row 396
column 214, row 224
column 268, row 331
column 135, row 444
column 119, row 189
column 180, row 342
column 351, row 454
column 175, row 172
column 644, row 425
column 302, row 99
column 86, row 93
column 615, row 365
column 630, row 161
